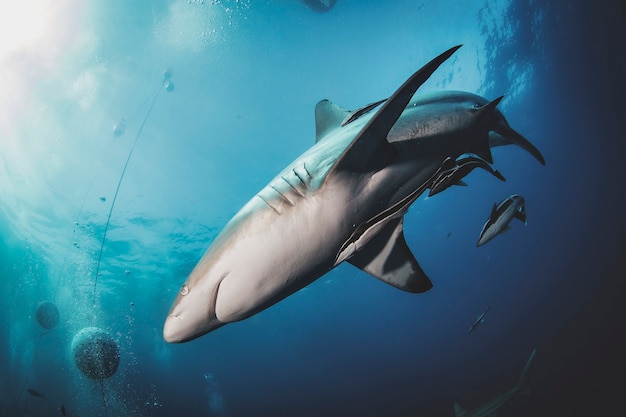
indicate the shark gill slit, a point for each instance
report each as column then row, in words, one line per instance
column 292, row 187
column 269, row 205
column 283, row 196
column 306, row 185
column 307, row 171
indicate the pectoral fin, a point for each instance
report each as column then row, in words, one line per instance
column 387, row 257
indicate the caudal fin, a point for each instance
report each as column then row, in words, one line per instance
column 458, row 410
column 521, row 383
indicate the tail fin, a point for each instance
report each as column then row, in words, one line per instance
column 458, row 410
column 521, row 383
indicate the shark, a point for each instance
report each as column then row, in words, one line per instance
column 343, row 199
column 452, row 172
column 493, row 406
column 512, row 207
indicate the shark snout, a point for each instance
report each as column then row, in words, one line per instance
column 172, row 329
column 180, row 329
column 189, row 318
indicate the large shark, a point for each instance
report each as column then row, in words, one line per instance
column 493, row 406
column 342, row 200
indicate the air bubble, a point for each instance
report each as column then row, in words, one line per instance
column 119, row 128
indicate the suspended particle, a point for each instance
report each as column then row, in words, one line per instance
column 95, row 353
column 167, row 74
column 168, row 85
column 102, row 198
column 47, row 315
column 119, row 128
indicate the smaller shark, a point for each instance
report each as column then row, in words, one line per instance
column 453, row 171
column 493, row 406
column 320, row 6
column 479, row 319
column 501, row 216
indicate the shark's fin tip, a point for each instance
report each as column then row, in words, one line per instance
column 328, row 116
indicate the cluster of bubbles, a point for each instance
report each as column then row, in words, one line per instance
column 120, row 127
column 215, row 400
column 95, row 353
column 167, row 82
column 47, row 315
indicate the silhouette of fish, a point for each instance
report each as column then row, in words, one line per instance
column 35, row 393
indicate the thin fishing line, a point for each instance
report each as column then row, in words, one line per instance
column 30, row 368
column 104, row 400
column 64, row 263
column 117, row 189
column 82, row 205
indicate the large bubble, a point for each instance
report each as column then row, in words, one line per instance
column 95, row 353
column 47, row 315
column 119, row 128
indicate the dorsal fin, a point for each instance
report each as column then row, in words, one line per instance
column 494, row 212
column 360, row 112
column 489, row 107
column 371, row 143
column 328, row 116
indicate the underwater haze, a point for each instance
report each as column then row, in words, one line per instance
column 132, row 131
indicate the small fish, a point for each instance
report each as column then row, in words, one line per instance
column 35, row 393
column 452, row 171
column 63, row 410
column 501, row 215
column 479, row 319
column 360, row 112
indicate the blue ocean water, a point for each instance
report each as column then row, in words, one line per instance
column 154, row 122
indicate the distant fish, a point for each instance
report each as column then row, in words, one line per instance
column 493, row 406
column 501, row 216
column 479, row 319
column 360, row 112
column 35, row 393
column 63, row 410
column 320, row 6
column 453, row 171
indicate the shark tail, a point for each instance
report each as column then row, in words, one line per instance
column 523, row 379
column 459, row 411
column 505, row 135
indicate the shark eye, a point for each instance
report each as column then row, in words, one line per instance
column 184, row 290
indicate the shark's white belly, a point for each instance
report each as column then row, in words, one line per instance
column 279, row 253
